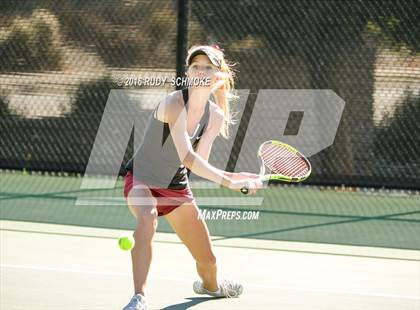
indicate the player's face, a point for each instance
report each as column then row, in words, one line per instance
column 201, row 67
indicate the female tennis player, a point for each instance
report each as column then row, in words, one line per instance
column 178, row 140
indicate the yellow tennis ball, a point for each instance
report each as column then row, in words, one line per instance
column 126, row 243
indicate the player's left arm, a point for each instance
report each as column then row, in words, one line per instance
column 207, row 139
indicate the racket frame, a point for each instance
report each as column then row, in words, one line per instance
column 281, row 177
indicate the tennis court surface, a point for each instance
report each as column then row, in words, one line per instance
column 47, row 266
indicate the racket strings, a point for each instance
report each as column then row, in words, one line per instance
column 282, row 161
column 288, row 164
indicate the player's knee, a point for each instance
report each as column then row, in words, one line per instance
column 146, row 215
column 146, row 225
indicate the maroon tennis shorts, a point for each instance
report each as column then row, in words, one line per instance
column 167, row 199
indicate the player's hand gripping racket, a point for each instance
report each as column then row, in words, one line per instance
column 285, row 162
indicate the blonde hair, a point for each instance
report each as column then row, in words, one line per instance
column 229, row 97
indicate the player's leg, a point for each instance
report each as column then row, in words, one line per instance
column 142, row 205
column 193, row 232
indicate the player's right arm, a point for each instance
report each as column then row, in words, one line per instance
column 175, row 115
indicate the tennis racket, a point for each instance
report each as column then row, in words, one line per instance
column 285, row 162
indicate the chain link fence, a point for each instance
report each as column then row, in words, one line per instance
column 59, row 60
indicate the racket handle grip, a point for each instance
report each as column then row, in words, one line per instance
column 244, row 191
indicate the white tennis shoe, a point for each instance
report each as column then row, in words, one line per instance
column 227, row 288
column 137, row 302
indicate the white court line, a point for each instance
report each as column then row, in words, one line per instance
column 183, row 280
column 208, row 201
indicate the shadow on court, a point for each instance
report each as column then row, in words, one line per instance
column 188, row 304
